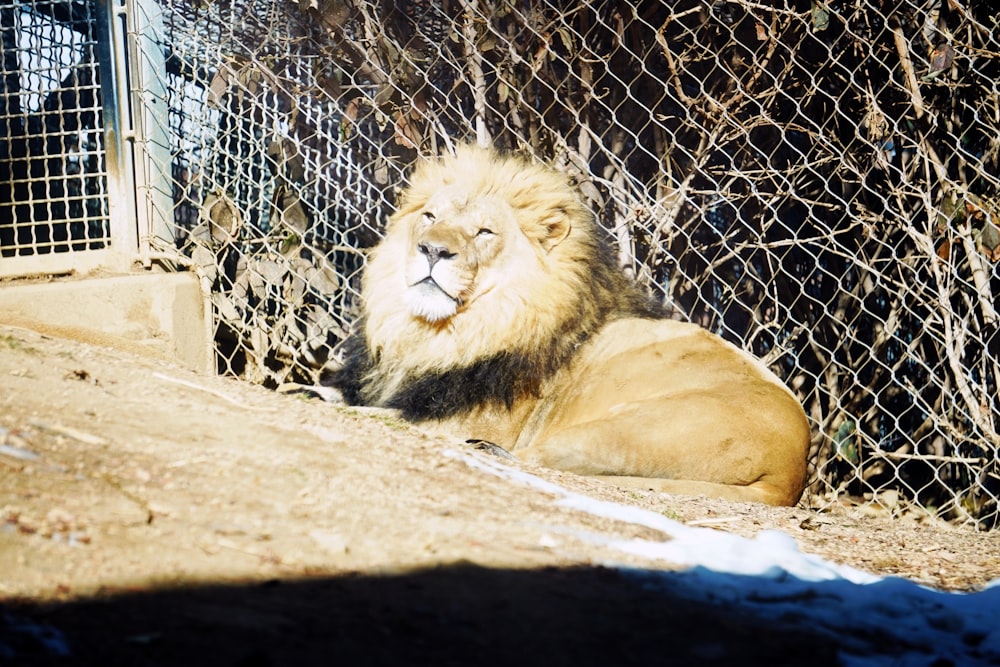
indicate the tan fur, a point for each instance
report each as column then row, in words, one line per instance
column 517, row 269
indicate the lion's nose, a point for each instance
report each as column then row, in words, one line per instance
column 434, row 252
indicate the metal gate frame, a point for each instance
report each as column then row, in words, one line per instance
column 135, row 145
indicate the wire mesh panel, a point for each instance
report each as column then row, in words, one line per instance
column 274, row 201
column 53, row 173
column 817, row 182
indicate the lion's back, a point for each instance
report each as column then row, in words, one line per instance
column 663, row 373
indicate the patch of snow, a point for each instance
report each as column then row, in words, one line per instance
column 872, row 618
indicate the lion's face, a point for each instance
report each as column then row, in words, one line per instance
column 457, row 248
column 483, row 256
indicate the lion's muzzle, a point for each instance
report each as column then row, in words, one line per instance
column 428, row 301
column 434, row 252
column 435, row 285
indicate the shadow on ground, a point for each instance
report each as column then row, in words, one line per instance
column 457, row 615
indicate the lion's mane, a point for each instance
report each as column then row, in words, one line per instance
column 505, row 345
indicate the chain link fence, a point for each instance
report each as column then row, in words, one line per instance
column 817, row 182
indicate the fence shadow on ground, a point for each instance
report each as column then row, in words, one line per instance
column 457, row 615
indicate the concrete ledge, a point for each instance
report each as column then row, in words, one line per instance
column 155, row 314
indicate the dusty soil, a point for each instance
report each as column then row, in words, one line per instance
column 154, row 516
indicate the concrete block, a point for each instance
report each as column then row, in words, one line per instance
column 156, row 314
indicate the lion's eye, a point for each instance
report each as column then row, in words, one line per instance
column 485, row 231
column 428, row 217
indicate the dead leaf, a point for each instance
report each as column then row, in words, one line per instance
column 820, row 17
column 350, row 117
column 989, row 241
column 406, row 131
column 218, row 86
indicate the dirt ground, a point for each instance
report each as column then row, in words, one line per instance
column 150, row 515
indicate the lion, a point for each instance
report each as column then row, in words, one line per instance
column 493, row 309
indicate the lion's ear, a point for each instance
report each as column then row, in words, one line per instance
column 555, row 230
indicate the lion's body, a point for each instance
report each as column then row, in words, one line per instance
column 492, row 311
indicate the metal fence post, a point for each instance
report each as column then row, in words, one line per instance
column 153, row 178
column 121, row 202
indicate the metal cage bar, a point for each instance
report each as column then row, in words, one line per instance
column 66, row 203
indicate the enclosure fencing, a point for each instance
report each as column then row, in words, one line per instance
column 60, row 148
column 815, row 181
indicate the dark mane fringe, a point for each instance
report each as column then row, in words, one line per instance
column 499, row 380
column 616, row 295
column 358, row 364
column 502, row 379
